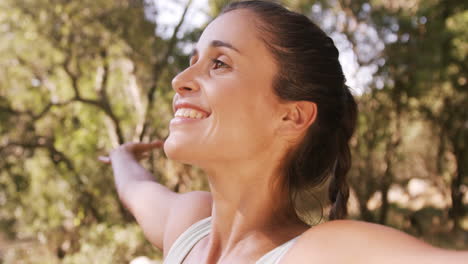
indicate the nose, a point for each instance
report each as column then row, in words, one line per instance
column 184, row 82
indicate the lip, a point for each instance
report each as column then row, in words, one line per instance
column 178, row 120
column 188, row 105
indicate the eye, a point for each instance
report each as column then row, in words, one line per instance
column 217, row 64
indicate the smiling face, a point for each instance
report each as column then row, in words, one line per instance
column 230, row 81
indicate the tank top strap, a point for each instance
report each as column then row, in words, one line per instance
column 274, row 256
column 187, row 240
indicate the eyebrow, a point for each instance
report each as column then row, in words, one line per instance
column 217, row 43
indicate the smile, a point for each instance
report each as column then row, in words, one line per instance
column 190, row 113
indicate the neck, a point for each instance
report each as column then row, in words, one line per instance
column 250, row 203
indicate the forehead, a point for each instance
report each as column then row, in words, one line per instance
column 237, row 28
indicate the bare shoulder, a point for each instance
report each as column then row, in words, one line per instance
column 188, row 209
column 348, row 241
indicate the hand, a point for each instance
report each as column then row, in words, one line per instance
column 136, row 150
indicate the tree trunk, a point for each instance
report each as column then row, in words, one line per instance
column 458, row 211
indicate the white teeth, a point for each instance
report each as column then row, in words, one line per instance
column 189, row 113
column 193, row 113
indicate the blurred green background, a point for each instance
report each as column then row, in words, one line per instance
column 77, row 78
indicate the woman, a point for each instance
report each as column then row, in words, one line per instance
column 264, row 111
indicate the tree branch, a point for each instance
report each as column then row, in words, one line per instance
column 158, row 69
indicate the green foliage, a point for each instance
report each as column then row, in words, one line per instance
column 80, row 77
column 75, row 81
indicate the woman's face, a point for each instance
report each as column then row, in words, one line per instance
column 230, row 78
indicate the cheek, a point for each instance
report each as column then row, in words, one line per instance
column 244, row 122
column 242, row 95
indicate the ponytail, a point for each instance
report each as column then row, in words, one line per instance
column 338, row 190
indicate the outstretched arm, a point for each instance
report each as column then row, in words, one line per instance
column 162, row 214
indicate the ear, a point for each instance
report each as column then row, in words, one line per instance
column 298, row 117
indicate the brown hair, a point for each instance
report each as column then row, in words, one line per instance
column 309, row 70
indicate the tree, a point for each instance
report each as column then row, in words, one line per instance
column 77, row 79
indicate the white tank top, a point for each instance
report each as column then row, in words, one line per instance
column 187, row 240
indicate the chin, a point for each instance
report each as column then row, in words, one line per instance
column 179, row 151
column 172, row 149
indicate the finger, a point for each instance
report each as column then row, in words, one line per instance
column 104, row 159
column 157, row 142
column 142, row 147
column 143, row 155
